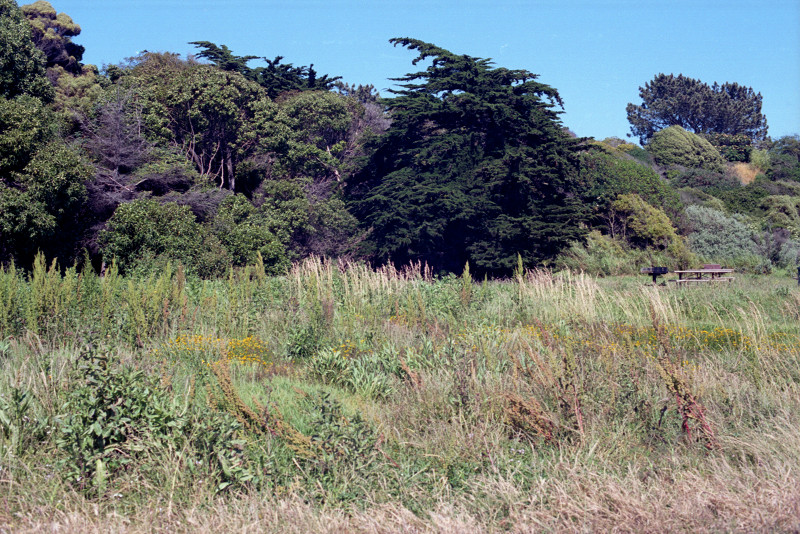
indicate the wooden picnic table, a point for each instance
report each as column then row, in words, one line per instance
column 703, row 275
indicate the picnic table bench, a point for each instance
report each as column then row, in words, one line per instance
column 709, row 273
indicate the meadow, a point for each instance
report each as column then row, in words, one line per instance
column 340, row 398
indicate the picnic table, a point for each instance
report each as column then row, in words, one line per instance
column 709, row 273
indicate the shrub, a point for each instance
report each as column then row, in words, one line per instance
column 692, row 196
column 782, row 211
column 744, row 199
column 636, row 152
column 715, row 235
column 642, row 226
column 607, row 176
column 144, row 233
column 784, row 158
column 760, row 159
column 603, row 255
column 675, row 146
column 114, row 416
column 245, row 233
column 731, row 147
column 702, row 179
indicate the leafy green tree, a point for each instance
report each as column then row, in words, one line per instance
column 731, row 147
column 670, row 100
column 643, row 225
column 25, row 125
column 143, row 233
column 313, row 135
column 245, row 231
column 217, row 118
column 41, row 205
column 77, row 86
column 784, row 157
column 606, row 175
column 674, row 146
column 474, row 167
column 22, row 65
column 782, row 211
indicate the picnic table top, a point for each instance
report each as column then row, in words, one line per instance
column 702, row 271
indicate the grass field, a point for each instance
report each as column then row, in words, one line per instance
column 344, row 399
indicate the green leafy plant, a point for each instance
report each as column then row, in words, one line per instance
column 675, row 146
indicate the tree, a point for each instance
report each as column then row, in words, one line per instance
column 25, row 126
column 144, row 232
column 607, row 174
column 474, row 167
column 643, row 225
column 40, row 206
column 216, row 118
column 670, row 100
column 22, row 65
column 245, row 231
column 784, row 156
column 53, row 33
column 275, row 78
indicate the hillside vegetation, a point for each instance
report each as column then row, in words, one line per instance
column 213, row 159
column 237, row 294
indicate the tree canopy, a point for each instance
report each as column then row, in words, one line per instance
column 474, row 167
column 22, row 64
column 276, row 78
column 669, row 100
column 215, row 161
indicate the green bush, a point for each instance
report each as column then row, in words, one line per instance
column 606, row 176
column 675, row 146
column 784, row 158
column 636, row 152
column 691, row 196
column 731, row 147
column 643, row 225
column 717, row 236
column 245, row 233
column 782, row 211
column 702, row 179
column 144, row 233
column 760, row 159
column 743, row 199
column 115, row 416
column 602, row 255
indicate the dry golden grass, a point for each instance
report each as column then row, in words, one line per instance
column 745, row 172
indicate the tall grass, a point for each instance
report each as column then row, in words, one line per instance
column 345, row 398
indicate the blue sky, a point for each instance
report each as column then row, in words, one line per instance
column 595, row 52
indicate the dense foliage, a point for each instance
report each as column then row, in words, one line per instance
column 215, row 161
column 675, row 146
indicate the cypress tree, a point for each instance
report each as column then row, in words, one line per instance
column 475, row 167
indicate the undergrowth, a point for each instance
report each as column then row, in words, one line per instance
column 343, row 397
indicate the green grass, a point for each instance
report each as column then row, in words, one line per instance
column 383, row 400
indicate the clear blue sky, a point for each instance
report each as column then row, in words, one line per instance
column 595, row 52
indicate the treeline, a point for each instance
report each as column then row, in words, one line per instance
column 211, row 162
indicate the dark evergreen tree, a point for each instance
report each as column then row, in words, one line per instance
column 474, row 167
column 695, row 106
column 275, row 78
